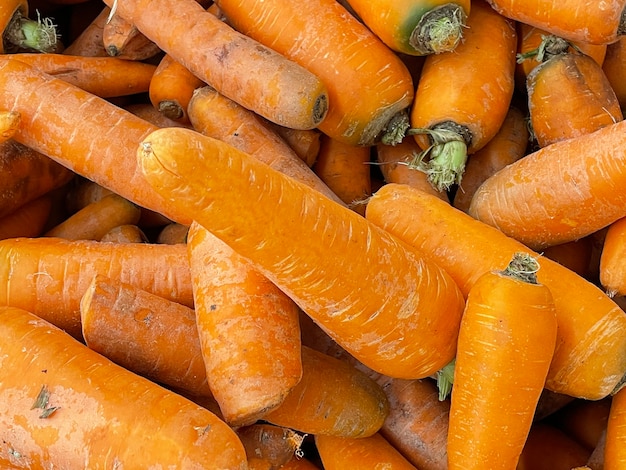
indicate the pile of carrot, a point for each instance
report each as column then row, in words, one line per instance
column 355, row 234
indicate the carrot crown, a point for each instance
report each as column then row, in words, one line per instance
column 523, row 267
column 439, row 30
column 24, row 33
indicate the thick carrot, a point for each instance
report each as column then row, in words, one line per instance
column 145, row 333
column 612, row 271
column 452, row 118
column 48, row 276
column 417, row 27
column 125, row 234
column 19, row 32
column 506, row 342
column 9, row 124
column 279, row 89
column 407, row 323
column 66, row 406
column 614, row 67
column 590, row 357
column 585, row 21
column 248, row 330
column 219, row 117
column 367, row 83
column 615, row 444
column 539, row 206
column 28, row 220
column 549, row 448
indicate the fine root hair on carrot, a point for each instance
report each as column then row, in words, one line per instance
column 23, row 33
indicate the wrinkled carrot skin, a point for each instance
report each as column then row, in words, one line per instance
column 367, row 452
column 172, row 87
column 103, row 76
column 585, row 21
column 125, row 234
column 614, row 67
column 568, row 96
column 26, row 175
column 248, row 328
column 96, row 219
column 9, row 123
column 333, row 398
column 612, row 270
column 93, row 124
column 27, row 220
column 547, row 448
column 219, row 117
column 273, row 445
column 145, row 333
column 506, row 342
column 590, row 357
column 48, row 276
column 91, row 393
column 541, row 207
column 296, row 98
column 326, row 39
column 615, row 444
column 298, row 237
column 506, row 147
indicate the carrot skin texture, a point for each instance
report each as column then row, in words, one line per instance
column 92, row 393
column 273, row 212
column 590, row 357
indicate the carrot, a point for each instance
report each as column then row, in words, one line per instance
column 614, row 67
column 612, row 272
column 507, row 146
column 305, row 142
column 9, row 124
column 279, row 89
column 48, row 276
column 367, row 83
column 248, row 330
column 143, row 332
column 615, row 448
column 588, row 21
column 173, row 233
column 590, row 357
column 103, row 76
column 148, row 112
column 66, row 406
column 19, row 32
column 28, row 220
column 541, row 207
column 333, row 398
column 363, row 453
column 27, row 175
column 96, row 219
column 127, row 233
column 219, row 117
column 453, row 118
column 118, row 33
column 420, row 27
column 549, row 448
column 299, row 464
column 568, row 94
column 172, row 87
column 270, row 444
column 407, row 323
column 345, row 170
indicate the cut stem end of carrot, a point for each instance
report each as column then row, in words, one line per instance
column 524, row 267
column 24, row 33
column 439, row 30
column 445, row 379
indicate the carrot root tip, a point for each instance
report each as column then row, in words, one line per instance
column 439, row 30
column 171, row 109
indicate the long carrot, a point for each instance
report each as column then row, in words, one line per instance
column 506, row 342
column 539, row 206
column 48, row 276
column 279, row 89
column 248, row 330
column 28, row 220
column 407, row 323
column 367, row 83
column 18, row 32
column 66, row 406
column 590, row 358
column 453, row 118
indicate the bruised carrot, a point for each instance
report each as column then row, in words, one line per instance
column 615, row 443
column 614, row 67
column 549, row 448
column 248, row 330
column 451, row 119
column 143, row 332
column 407, row 324
column 219, row 117
column 19, row 32
column 48, row 276
column 612, row 272
column 69, row 407
column 305, row 142
column 28, row 220
column 590, row 356
column 9, row 123
column 128, row 233
column 296, row 97
column 506, row 342
column 367, row 83
column 271, row 444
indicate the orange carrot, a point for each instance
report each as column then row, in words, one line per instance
column 305, row 142
column 590, row 358
column 506, row 147
column 614, row 67
column 149, row 113
column 407, row 323
column 28, row 220
column 18, row 32
column 530, row 201
column 345, row 170
column 248, row 329
column 506, row 342
column 9, row 123
column 585, row 21
column 67, row 406
column 615, row 444
column 612, row 272
column 48, row 276
column 118, row 35
column 270, row 444
column 279, row 89
column 367, row 83
column 172, row 87
column 173, row 233
column 453, row 118
column 143, row 332
column 217, row 116
column 360, row 454
column 125, row 234
column 96, row 219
